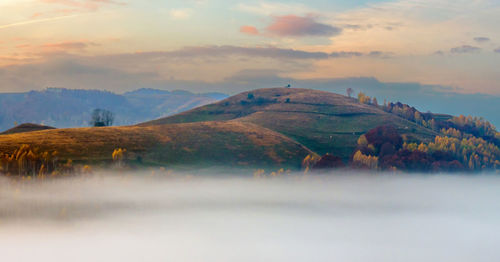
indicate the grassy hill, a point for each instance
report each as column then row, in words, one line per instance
column 199, row 144
column 323, row 122
column 27, row 127
column 266, row 127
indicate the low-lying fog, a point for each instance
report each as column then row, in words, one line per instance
column 355, row 217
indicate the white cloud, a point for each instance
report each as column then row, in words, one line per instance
column 265, row 8
column 181, row 13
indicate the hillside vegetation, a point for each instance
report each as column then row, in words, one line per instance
column 322, row 121
column 208, row 143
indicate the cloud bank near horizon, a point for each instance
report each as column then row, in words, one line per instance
column 149, row 42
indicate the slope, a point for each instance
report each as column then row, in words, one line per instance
column 323, row 122
column 197, row 144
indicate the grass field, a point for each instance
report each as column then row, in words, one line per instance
column 208, row 143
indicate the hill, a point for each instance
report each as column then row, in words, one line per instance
column 196, row 144
column 61, row 107
column 27, row 127
column 279, row 127
column 322, row 121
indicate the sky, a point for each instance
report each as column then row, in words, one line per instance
column 221, row 45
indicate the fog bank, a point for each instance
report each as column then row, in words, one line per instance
column 341, row 217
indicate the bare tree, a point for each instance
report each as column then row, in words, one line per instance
column 101, row 117
column 349, row 91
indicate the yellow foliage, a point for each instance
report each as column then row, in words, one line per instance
column 362, row 160
column 364, row 99
column 362, row 141
column 118, row 155
column 309, row 161
column 28, row 161
column 258, row 173
column 87, row 169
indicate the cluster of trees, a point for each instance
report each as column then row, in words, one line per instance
column 364, row 99
column 102, row 117
column 309, row 162
column 459, row 127
column 476, row 126
column 471, row 152
column 361, row 160
column 412, row 114
column 261, row 173
column 383, row 148
column 28, row 161
column 316, row 162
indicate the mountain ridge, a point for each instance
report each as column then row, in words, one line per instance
column 60, row 107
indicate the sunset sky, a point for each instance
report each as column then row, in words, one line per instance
column 121, row 45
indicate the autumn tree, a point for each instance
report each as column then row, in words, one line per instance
column 119, row 155
column 363, row 98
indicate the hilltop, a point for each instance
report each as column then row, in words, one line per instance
column 322, row 121
column 27, row 127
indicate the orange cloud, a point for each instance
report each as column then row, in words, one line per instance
column 248, row 29
column 292, row 25
column 67, row 46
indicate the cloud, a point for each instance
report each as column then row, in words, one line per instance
column 88, row 5
column 250, row 30
column 343, row 54
column 481, row 39
column 36, row 21
column 380, row 54
column 269, row 9
column 181, row 13
column 67, row 46
column 217, row 51
column 297, row 26
column 465, row 49
column 252, row 52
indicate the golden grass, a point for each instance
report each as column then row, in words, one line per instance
column 204, row 142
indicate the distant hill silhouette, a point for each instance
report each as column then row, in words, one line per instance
column 61, row 107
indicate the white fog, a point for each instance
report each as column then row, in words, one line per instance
column 205, row 217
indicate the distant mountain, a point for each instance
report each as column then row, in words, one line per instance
column 61, row 107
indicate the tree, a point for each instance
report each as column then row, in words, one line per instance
column 349, row 91
column 364, row 99
column 102, row 117
column 118, row 155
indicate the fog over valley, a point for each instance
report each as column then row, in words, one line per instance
column 205, row 216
